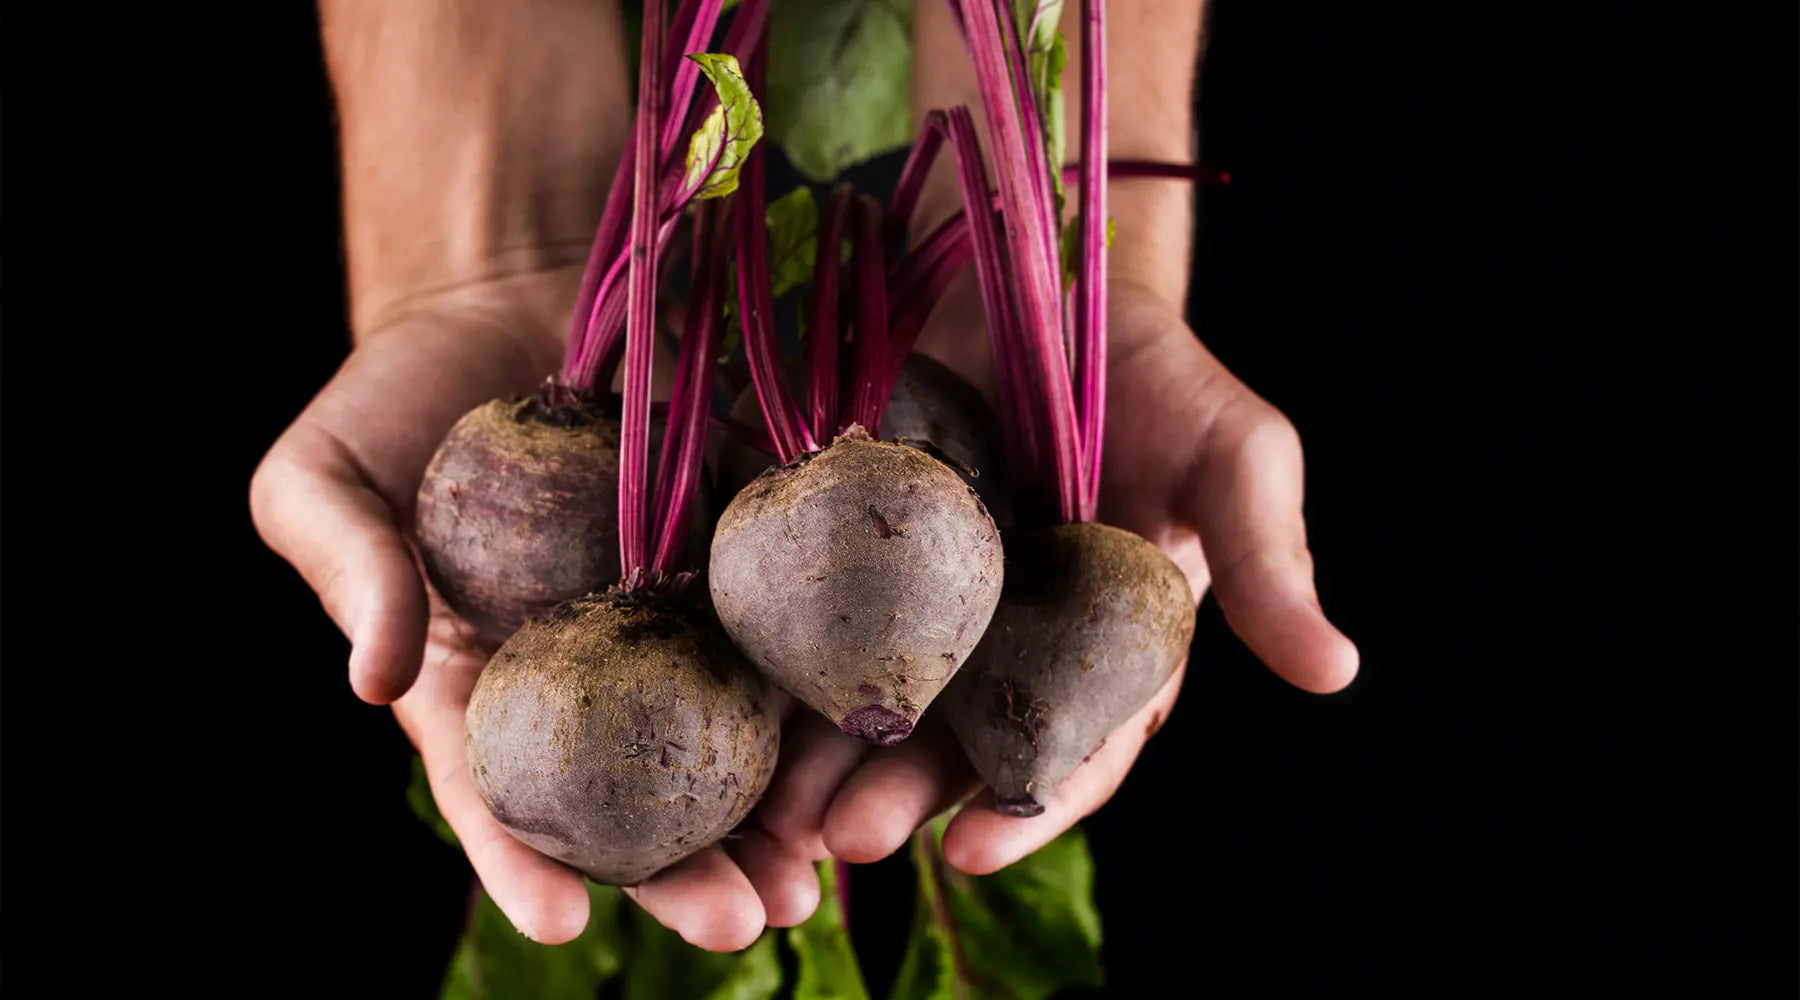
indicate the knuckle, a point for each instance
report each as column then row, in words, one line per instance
column 1268, row 433
column 265, row 493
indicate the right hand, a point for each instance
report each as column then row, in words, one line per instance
column 334, row 497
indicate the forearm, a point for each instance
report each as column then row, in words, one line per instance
column 478, row 139
column 1152, row 54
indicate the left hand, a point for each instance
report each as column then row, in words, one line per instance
column 1196, row 463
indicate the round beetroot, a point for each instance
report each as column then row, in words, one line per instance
column 858, row 578
column 1094, row 620
column 518, row 510
column 620, row 735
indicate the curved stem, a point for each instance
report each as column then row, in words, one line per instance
column 912, row 182
column 993, row 276
column 1036, row 271
column 822, row 338
column 870, row 369
column 785, row 423
column 640, row 322
column 684, row 436
column 1090, row 287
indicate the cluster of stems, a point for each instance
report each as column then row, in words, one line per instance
column 866, row 307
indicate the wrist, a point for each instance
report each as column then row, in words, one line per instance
column 477, row 142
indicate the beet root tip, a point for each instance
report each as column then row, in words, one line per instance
column 875, row 724
column 1022, row 806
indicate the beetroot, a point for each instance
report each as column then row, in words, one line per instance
column 621, row 732
column 517, row 510
column 858, row 578
column 619, row 735
column 857, row 574
column 1093, row 622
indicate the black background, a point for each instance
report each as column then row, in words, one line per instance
column 1523, row 276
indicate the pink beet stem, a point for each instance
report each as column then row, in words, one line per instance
column 917, row 281
column 640, row 322
column 605, row 249
column 917, row 293
column 1036, row 273
column 678, row 471
column 912, row 183
column 1090, row 286
column 951, row 237
column 755, row 437
column 695, row 21
column 993, row 277
column 692, row 30
column 1031, row 123
column 823, row 335
column 786, row 424
column 606, row 329
column 870, row 360
column 700, row 253
column 609, row 240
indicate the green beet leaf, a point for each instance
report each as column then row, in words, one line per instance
column 493, row 961
column 1046, row 55
column 719, row 147
column 793, row 240
column 827, row 964
column 793, row 222
column 839, row 81
column 1021, row 933
column 663, row 966
column 1071, row 250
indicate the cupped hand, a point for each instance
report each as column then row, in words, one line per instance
column 1196, row 463
column 334, row 497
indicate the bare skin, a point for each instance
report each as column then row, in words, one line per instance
column 477, row 143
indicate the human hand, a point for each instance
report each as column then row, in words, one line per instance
column 1194, row 462
column 334, row 496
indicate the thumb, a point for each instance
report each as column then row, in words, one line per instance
column 312, row 505
column 1248, row 510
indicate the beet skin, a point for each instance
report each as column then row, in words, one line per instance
column 1093, row 622
column 619, row 736
column 518, row 510
column 858, row 578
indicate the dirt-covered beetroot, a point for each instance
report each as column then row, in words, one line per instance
column 858, row 578
column 1093, row 622
column 620, row 735
column 621, row 731
column 518, row 510
column 930, row 405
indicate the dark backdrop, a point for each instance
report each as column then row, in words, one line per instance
column 1523, row 276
